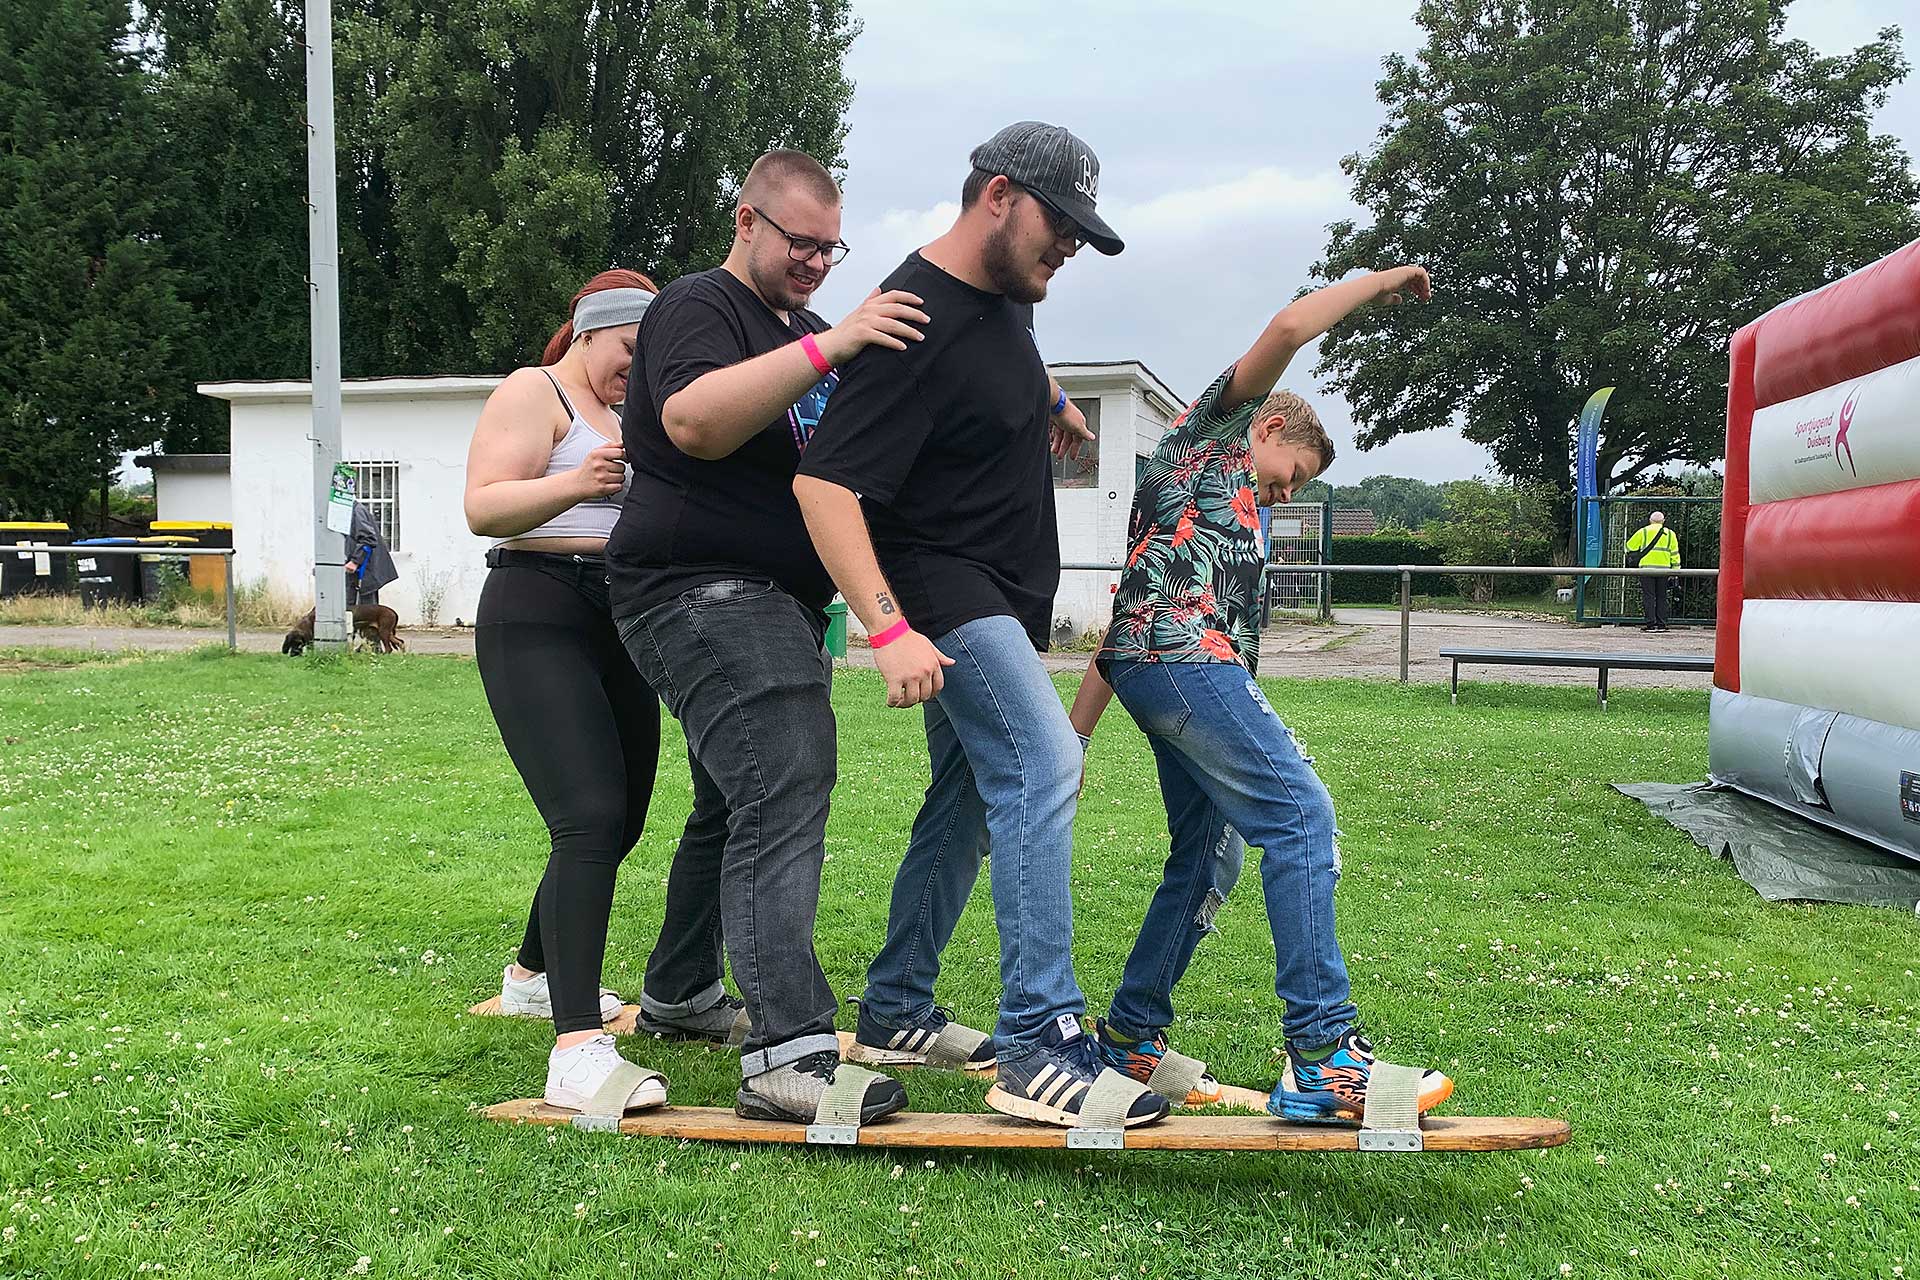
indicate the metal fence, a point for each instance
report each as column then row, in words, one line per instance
column 168, row 553
column 1406, row 572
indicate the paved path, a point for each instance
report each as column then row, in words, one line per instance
column 1361, row 643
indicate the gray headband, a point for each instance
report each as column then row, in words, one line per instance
column 608, row 308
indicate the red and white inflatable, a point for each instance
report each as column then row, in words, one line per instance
column 1816, row 704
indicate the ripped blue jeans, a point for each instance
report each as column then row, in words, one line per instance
column 1230, row 769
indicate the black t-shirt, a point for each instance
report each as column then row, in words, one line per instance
column 686, row 520
column 946, row 442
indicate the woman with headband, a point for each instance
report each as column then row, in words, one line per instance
column 545, row 477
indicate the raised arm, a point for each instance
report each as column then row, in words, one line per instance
column 721, row 410
column 507, row 489
column 908, row 660
column 1305, row 319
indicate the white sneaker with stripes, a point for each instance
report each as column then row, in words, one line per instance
column 935, row 1041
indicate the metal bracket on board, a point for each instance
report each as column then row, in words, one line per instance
column 1096, row 1139
column 1391, row 1140
column 596, row 1124
column 834, row 1135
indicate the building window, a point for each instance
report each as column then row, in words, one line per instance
column 376, row 485
column 1082, row 472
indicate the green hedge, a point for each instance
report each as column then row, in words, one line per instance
column 1384, row 548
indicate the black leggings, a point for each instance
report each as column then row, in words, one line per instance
column 584, row 731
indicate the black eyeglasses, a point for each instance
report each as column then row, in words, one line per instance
column 802, row 248
column 1058, row 219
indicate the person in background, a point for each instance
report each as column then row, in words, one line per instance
column 1654, row 547
column 545, row 477
column 369, row 563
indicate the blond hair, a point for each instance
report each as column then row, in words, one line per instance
column 780, row 170
column 1302, row 425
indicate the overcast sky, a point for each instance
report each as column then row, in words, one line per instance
column 1219, row 125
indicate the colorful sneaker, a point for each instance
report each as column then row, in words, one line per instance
column 935, row 1041
column 722, row 1023
column 1175, row 1076
column 1053, row 1082
column 792, row 1092
column 531, row 999
column 1329, row 1086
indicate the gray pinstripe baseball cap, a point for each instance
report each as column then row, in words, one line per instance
column 1047, row 159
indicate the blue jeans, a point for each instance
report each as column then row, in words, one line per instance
column 1230, row 769
column 1006, row 771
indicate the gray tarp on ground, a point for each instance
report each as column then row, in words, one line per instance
column 1783, row 856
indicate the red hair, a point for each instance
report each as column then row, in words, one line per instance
column 618, row 278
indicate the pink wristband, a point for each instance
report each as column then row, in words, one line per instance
column 821, row 364
column 882, row 639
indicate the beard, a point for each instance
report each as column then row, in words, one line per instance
column 780, row 290
column 997, row 259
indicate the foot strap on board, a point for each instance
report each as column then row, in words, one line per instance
column 1176, row 1076
column 836, row 1118
column 1103, row 1112
column 1391, row 1121
column 609, row 1102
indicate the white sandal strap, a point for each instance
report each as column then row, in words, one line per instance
column 955, row 1046
column 841, row 1103
column 1175, row 1076
column 1106, row 1103
column 610, row 1099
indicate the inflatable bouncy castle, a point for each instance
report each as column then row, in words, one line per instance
column 1816, row 700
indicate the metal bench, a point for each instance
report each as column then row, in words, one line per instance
column 1604, row 662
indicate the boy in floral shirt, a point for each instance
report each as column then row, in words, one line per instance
column 1180, row 655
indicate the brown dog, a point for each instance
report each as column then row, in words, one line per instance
column 375, row 622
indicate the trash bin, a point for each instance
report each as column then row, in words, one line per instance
column 107, row 579
column 27, row 573
column 204, row 573
column 157, row 572
column 837, row 629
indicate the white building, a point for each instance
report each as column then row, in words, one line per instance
column 406, row 439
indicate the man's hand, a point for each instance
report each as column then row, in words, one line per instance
column 602, row 472
column 884, row 319
column 1397, row 282
column 911, row 667
column 1068, row 431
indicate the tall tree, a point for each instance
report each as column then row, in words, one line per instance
column 90, row 322
column 1603, row 190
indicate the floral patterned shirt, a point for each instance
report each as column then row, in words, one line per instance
column 1191, row 586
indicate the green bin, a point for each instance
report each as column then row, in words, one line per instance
column 837, row 629
column 154, row 568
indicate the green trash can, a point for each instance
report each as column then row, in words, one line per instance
column 157, row 570
column 837, row 629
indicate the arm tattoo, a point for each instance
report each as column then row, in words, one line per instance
column 886, row 604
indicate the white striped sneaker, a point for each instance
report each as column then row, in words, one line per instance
column 1050, row 1083
column 531, row 999
column 935, row 1041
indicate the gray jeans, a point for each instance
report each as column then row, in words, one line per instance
column 740, row 665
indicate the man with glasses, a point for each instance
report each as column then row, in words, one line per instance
column 720, row 601
column 929, row 494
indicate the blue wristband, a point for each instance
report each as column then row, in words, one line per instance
column 1060, row 405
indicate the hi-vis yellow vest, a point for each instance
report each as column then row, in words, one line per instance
column 1664, row 551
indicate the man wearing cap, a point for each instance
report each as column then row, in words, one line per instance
column 929, row 494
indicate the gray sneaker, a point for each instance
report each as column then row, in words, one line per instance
column 792, row 1092
column 723, row 1023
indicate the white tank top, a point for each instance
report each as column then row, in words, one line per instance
column 593, row 518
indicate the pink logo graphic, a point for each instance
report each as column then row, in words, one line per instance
column 1840, row 436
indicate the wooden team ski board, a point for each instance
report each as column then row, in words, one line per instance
column 1211, row 1132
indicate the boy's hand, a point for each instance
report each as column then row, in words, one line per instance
column 911, row 666
column 1397, row 282
column 1068, row 431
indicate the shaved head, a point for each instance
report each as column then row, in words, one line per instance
column 781, row 171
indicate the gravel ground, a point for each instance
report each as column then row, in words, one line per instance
column 1361, row 643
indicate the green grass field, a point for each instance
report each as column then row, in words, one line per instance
column 245, row 900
